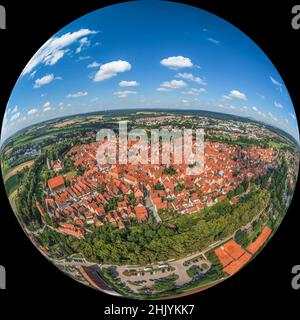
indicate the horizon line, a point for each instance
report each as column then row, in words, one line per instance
column 150, row 108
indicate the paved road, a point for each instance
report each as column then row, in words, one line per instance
column 178, row 265
column 150, row 206
column 180, row 269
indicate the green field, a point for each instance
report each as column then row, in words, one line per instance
column 12, row 184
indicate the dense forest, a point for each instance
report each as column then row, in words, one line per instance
column 32, row 184
column 28, row 193
column 153, row 242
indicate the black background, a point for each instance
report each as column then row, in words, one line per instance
column 263, row 287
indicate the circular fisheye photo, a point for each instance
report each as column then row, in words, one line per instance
column 150, row 158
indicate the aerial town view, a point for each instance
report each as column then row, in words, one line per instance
column 135, row 227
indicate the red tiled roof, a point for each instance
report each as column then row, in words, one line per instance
column 130, row 178
column 141, row 212
column 56, row 182
column 76, row 233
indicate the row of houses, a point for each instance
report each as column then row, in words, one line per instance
column 118, row 193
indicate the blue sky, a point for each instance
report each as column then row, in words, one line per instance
column 149, row 54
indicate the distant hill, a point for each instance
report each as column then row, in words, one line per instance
column 128, row 112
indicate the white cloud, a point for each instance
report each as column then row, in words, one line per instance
column 128, row 84
column 47, row 104
column 292, row 115
column 173, row 84
column 279, row 86
column 278, row 105
column 227, row 97
column 191, row 77
column 177, row 62
column 15, row 116
column 185, row 102
column 272, row 116
column 111, row 69
column 5, row 120
column 259, row 112
column 163, row 89
column 262, row 114
column 94, row 65
column 77, row 94
column 83, row 43
column 277, row 83
column 235, row 94
column 55, row 48
column 194, row 91
column 56, row 57
column 32, row 74
column 261, row 96
column 214, row 41
column 32, row 111
column 44, row 80
column 125, row 93
column 82, row 58
column 15, row 109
